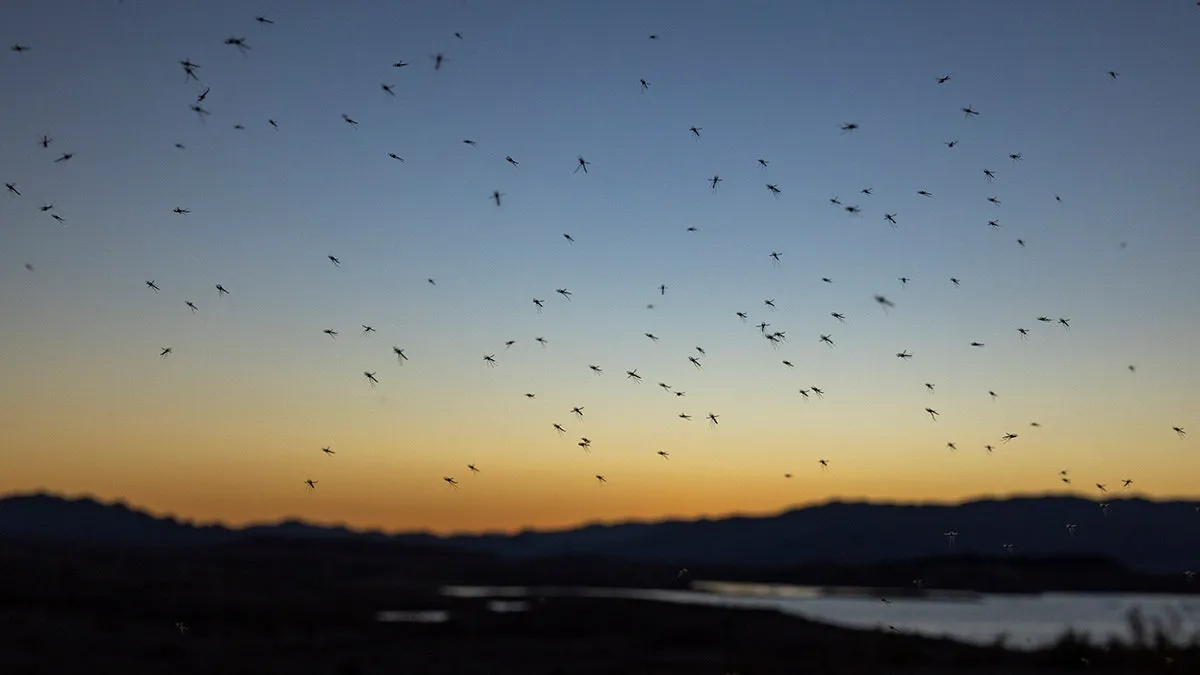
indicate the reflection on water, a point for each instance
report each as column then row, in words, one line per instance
column 420, row 616
column 1026, row 621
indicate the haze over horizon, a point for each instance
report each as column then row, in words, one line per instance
column 231, row 423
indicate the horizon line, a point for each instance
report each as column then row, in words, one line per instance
column 663, row 520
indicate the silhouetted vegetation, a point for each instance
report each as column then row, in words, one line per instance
column 300, row 606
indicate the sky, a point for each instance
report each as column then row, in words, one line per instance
column 231, row 423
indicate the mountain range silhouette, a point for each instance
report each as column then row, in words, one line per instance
column 1140, row 534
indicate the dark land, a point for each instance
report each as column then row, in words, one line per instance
column 99, row 588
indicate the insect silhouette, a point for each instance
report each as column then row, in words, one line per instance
column 371, row 379
column 583, row 164
column 240, row 43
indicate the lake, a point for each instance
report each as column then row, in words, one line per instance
column 1028, row 621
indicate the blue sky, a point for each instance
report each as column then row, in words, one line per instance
column 253, row 376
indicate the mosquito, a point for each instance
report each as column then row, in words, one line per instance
column 328, row 451
column 989, row 175
column 191, row 305
column 240, row 43
column 450, row 481
column 1007, row 437
column 371, row 378
column 925, row 193
column 472, row 469
column 685, row 416
column 583, row 164
column 952, row 447
column 601, row 479
column 929, row 386
column 12, row 189
column 775, row 191
column 714, row 181
column 311, row 484
column 539, row 304
column 569, row 238
column 367, row 329
column 839, row 316
column 559, row 428
column 490, row 360
column 578, row 411
column 1015, row 156
column 181, row 211
column 399, row 158
column 969, row 111
column 349, row 120
column 903, row 355
column 331, row 333
column 333, row 259
column 884, row 302
column 763, row 163
column 221, row 290
column 1126, row 482
column 199, row 110
column 389, row 89
column 695, row 362
column 65, row 157
column 1179, row 431
column 496, row 195
column 943, row 79
column 597, row 369
column 695, row 131
column 664, row 454
column 849, row 127
column 712, row 418
column 932, row 414
column 633, row 375
column 891, row 218
column 827, row 340
column 652, row 336
column 774, row 256
column 189, row 73
column 645, row 85
column 165, row 352
column 153, row 286
column 564, row 292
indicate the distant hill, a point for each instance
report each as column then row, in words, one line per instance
column 1150, row 536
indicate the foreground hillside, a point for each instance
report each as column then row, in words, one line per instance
column 296, row 608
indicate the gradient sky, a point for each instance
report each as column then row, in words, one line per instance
column 230, row 424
